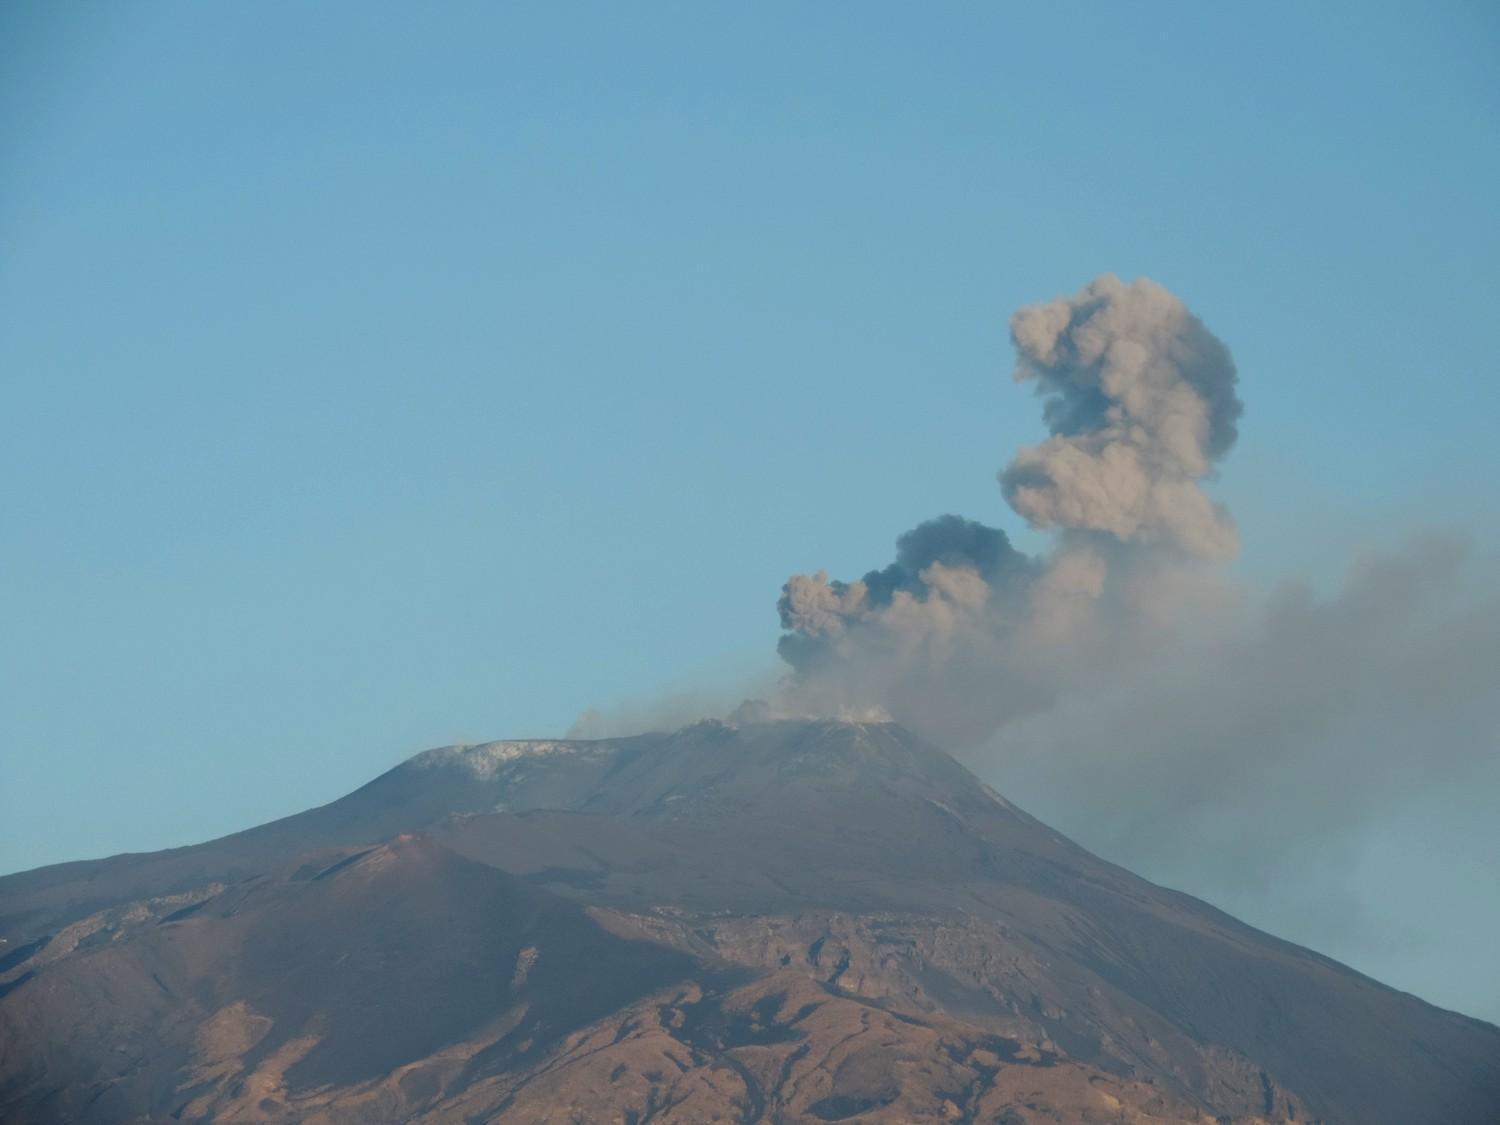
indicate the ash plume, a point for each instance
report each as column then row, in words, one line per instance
column 963, row 632
column 1282, row 756
column 1322, row 764
column 1140, row 399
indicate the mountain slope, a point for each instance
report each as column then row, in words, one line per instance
column 714, row 911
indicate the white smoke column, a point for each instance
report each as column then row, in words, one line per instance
column 1141, row 403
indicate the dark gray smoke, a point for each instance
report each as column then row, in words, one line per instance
column 815, row 609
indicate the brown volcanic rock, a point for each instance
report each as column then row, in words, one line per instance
column 790, row 921
column 785, row 1048
column 333, row 974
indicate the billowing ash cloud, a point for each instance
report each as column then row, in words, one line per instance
column 963, row 631
column 1140, row 398
column 1321, row 764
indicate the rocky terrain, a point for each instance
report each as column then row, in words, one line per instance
column 781, row 921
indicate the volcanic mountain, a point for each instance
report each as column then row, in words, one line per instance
column 782, row 921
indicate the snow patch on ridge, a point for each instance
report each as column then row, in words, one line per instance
column 488, row 759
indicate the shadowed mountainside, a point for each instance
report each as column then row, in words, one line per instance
column 793, row 921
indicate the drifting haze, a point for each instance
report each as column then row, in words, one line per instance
column 1309, row 766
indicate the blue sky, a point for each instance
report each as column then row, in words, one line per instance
column 377, row 376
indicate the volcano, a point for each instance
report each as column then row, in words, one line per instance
column 780, row 921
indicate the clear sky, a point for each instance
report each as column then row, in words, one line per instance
column 377, row 376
